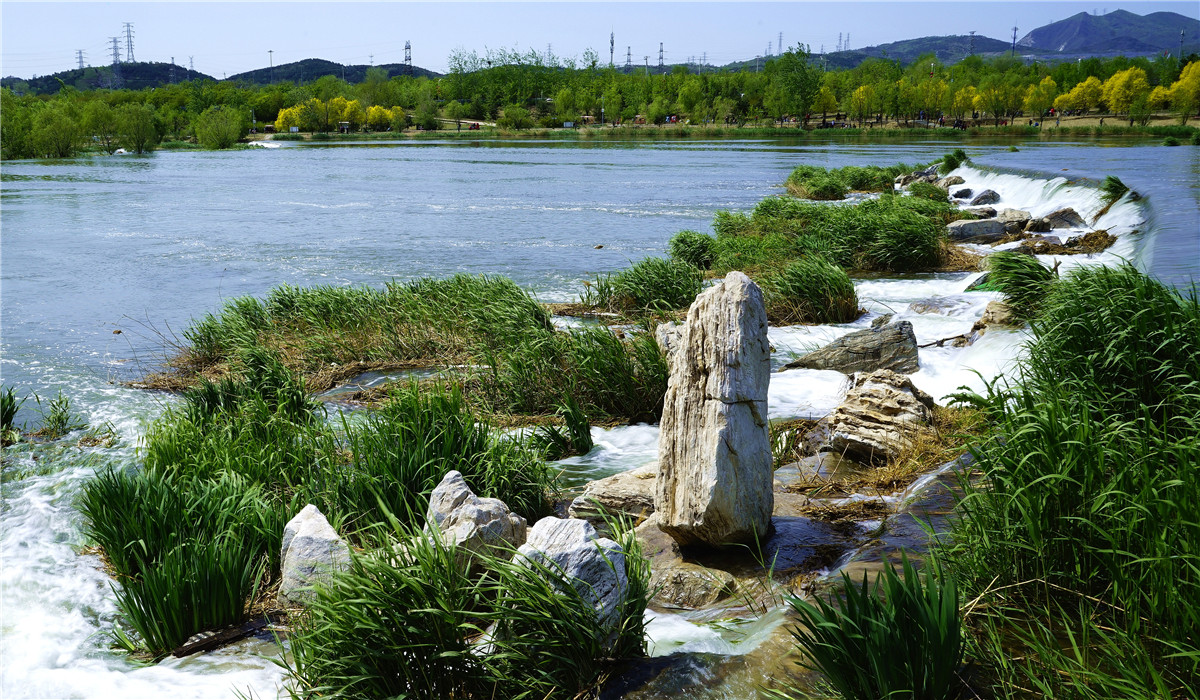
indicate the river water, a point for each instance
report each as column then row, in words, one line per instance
column 141, row 245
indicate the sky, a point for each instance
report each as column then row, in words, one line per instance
column 225, row 38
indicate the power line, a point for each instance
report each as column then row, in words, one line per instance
column 129, row 41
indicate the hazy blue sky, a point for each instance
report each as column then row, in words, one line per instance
column 232, row 37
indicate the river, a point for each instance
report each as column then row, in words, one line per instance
column 143, row 244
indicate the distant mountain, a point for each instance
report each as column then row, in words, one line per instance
column 134, row 76
column 1117, row 31
column 312, row 68
column 948, row 49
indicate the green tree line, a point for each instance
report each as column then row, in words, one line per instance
column 520, row 90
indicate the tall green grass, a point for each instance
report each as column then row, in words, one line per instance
column 651, row 284
column 815, row 182
column 897, row 234
column 1080, row 540
column 406, row 621
column 811, row 290
column 693, row 248
column 1022, row 279
column 900, row 638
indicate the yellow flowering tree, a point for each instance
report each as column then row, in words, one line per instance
column 1185, row 92
column 1124, row 88
column 378, row 118
column 1040, row 97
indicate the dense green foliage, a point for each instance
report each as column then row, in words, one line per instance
column 898, row 234
column 900, row 638
column 1080, row 542
column 651, row 284
column 928, row 190
column 693, row 248
column 815, row 182
column 527, row 89
column 811, row 290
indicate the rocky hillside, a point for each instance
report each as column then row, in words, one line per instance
column 1116, row 31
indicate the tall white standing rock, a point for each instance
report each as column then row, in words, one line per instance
column 312, row 551
column 715, row 468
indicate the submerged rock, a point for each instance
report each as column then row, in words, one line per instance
column 881, row 415
column 311, row 552
column 985, row 197
column 630, row 494
column 893, row 347
column 470, row 523
column 593, row 566
column 975, row 231
column 947, row 182
column 678, row 583
column 1014, row 220
column 1064, row 218
column 715, row 466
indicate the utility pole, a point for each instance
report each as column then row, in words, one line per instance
column 1181, row 48
column 660, row 57
column 271, row 58
column 79, row 56
column 129, row 41
column 612, row 47
column 408, row 58
column 1014, row 44
column 116, row 64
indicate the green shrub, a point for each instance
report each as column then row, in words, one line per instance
column 651, row 284
column 899, row 638
column 928, row 190
column 824, row 188
column 1022, row 279
column 221, row 126
column 952, row 161
column 811, row 290
column 693, row 248
column 1170, row 141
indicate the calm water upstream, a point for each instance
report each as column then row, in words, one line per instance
column 143, row 244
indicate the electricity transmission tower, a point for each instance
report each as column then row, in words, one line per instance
column 129, row 42
column 660, row 57
column 79, row 56
column 612, row 47
column 116, row 64
column 1014, row 44
column 628, row 59
column 171, row 77
column 408, row 58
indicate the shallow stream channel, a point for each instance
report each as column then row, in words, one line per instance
column 105, row 260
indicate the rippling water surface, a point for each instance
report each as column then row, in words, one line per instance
column 141, row 245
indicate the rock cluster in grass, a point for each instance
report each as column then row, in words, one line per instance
column 880, row 417
column 470, row 523
column 892, row 346
column 715, row 465
column 312, row 551
column 594, row 566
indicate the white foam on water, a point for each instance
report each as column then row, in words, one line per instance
column 805, row 393
column 671, row 633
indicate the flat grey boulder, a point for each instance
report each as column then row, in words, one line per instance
column 593, row 566
column 311, row 552
column 629, row 494
column 893, row 347
column 940, row 305
column 470, row 523
column 975, row 231
column 947, row 182
column 1014, row 220
column 715, row 464
column 981, row 212
column 985, row 197
column 881, row 416
column 1064, row 218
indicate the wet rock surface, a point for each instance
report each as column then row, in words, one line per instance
column 594, row 566
column 975, row 230
column 985, row 197
column 629, row 494
column 893, row 346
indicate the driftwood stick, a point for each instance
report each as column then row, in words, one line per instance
column 222, row 637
